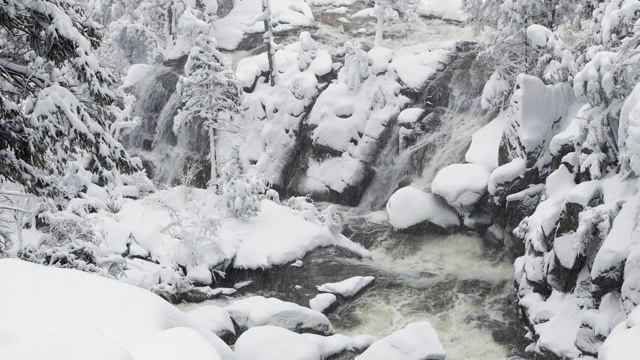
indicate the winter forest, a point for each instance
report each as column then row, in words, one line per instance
column 320, row 179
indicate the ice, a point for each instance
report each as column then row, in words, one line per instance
column 410, row 206
column 257, row 311
column 322, row 302
column 416, row 341
column 274, row 343
column 348, row 287
column 47, row 300
column 461, row 185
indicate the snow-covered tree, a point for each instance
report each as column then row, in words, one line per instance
column 391, row 10
column 241, row 190
column 511, row 49
column 356, row 65
column 211, row 94
column 55, row 97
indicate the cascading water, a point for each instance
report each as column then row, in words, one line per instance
column 166, row 155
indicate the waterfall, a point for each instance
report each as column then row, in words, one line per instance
column 454, row 98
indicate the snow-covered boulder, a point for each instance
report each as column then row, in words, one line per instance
column 214, row 318
column 274, row 343
column 622, row 343
column 410, row 206
column 322, row 302
column 417, row 341
column 349, row 287
column 462, row 185
column 259, row 311
column 103, row 318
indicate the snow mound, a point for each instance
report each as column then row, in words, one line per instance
column 259, row 311
column 322, row 302
column 410, row 206
column 462, row 185
column 348, row 287
column 443, row 9
column 416, row 341
column 46, row 304
column 274, row 343
column 410, row 116
column 214, row 318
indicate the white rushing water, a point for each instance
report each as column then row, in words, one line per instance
column 436, row 283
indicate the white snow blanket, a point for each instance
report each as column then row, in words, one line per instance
column 410, row 206
column 61, row 313
column 416, row 341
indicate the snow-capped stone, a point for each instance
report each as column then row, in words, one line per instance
column 411, row 206
column 486, row 142
column 259, row 311
column 410, row 116
column 505, row 173
column 200, row 275
column 462, row 185
column 348, row 287
column 215, row 319
column 274, row 343
column 416, row 341
column 322, row 302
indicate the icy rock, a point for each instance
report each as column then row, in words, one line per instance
column 349, row 287
column 410, row 116
column 417, row 341
column 331, row 346
column 215, row 319
column 322, row 302
column 259, row 311
column 274, row 343
column 461, row 185
column 485, row 143
column 410, row 206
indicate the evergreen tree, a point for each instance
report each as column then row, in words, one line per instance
column 241, row 191
column 54, row 97
column 211, row 94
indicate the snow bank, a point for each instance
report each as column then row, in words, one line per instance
column 287, row 14
column 259, row 311
column 461, row 185
column 443, row 9
column 274, row 343
column 416, row 341
column 348, row 287
column 410, row 206
column 73, row 311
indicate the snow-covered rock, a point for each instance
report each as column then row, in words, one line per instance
column 259, row 311
column 411, row 206
column 71, row 313
column 349, row 287
column 416, row 341
column 622, row 343
column 274, row 343
column 215, row 319
column 461, row 185
column 485, row 143
column 322, row 302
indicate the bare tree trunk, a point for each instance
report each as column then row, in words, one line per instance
column 379, row 12
column 212, row 156
column 268, row 40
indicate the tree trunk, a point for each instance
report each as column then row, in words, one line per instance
column 379, row 12
column 268, row 40
column 212, row 157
